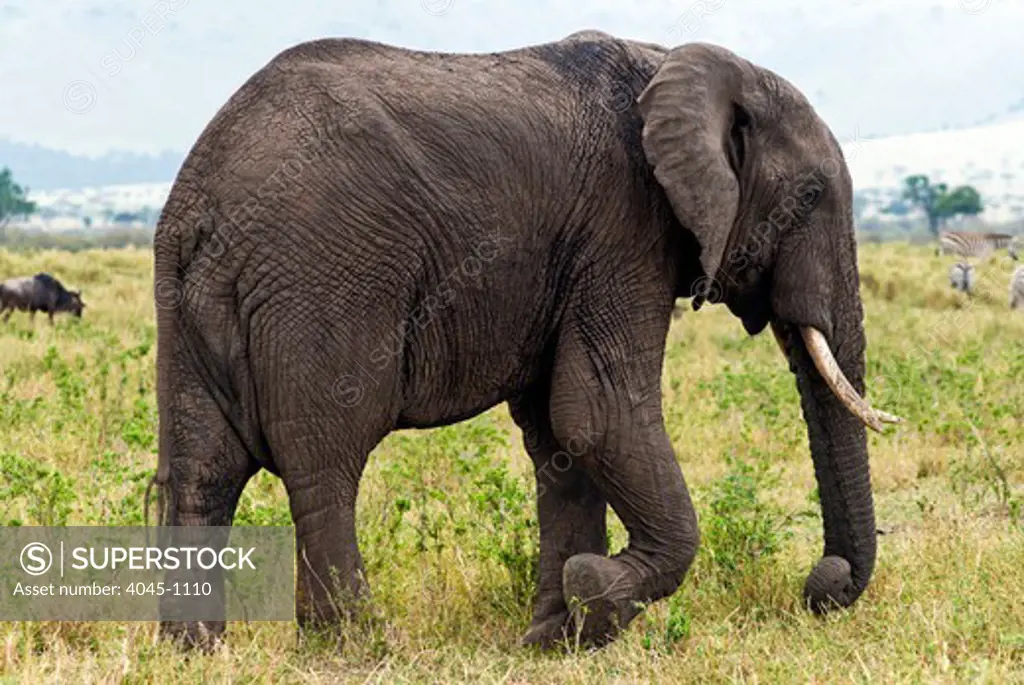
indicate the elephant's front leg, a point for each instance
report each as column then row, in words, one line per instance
column 571, row 513
column 607, row 403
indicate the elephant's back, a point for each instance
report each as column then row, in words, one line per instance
column 357, row 120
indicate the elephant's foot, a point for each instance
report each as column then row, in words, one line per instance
column 328, row 622
column 548, row 632
column 599, row 590
column 202, row 636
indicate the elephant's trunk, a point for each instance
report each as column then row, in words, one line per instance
column 838, row 443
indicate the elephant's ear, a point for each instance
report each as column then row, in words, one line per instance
column 692, row 138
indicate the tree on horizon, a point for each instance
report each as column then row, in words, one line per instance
column 13, row 199
column 938, row 202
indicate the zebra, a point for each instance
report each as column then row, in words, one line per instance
column 1017, row 288
column 978, row 245
column 961, row 277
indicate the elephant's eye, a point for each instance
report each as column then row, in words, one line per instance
column 809, row 198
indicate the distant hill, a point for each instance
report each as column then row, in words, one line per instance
column 42, row 168
column 989, row 157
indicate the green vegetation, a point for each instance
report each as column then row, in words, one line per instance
column 938, row 202
column 14, row 200
column 20, row 240
column 448, row 528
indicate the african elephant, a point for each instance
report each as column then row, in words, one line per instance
column 367, row 238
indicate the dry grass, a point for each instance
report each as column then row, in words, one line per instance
column 447, row 523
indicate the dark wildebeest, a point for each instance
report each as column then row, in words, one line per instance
column 39, row 293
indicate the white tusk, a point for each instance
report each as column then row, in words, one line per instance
column 886, row 417
column 829, row 369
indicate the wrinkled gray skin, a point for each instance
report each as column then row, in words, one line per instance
column 367, row 238
column 39, row 293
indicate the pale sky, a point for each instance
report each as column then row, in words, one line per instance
column 92, row 76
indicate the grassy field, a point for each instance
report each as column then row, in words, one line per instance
column 447, row 521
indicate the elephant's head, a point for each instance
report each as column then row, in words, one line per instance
column 759, row 180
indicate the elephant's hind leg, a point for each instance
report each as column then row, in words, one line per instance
column 320, row 443
column 322, row 481
column 322, row 413
column 207, row 469
column 571, row 513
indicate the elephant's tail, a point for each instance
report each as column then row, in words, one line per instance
column 162, row 492
column 173, row 245
column 193, row 266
